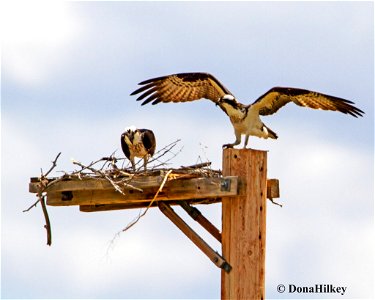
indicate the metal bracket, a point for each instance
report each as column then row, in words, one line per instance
column 225, row 266
column 225, row 185
column 66, row 195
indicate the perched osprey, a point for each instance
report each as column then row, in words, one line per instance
column 138, row 143
column 244, row 118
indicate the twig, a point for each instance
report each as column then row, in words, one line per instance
column 83, row 167
column 132, row 223
column 44, row 182
column 197, row 166
column 111, row 159
column 34, row 205
column 165, row 162
column 101, row 173
column 44, row 188
column 152, row 201
column 41, row 198
column 164, row 151
column 52, row 167
column 46, row 217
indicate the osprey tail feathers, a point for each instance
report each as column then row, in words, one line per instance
column 270, row 133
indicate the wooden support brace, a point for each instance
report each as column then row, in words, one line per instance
column 194, row 237
column 202, row 220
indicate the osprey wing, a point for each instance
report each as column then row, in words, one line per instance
column 277, row 97
column 181, row 87
column 148, row 140
column 124, row 146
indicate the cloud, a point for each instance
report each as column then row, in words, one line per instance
column 327, row 209
column 84, row 74
column 36, row 39
column 87, row 271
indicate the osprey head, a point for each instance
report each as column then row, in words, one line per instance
column 130, row 132
column 229, row 104
column 131, row 128
column 228, row 99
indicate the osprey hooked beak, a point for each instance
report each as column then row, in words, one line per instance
column 130, row 134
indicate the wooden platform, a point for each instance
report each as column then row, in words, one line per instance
column 98, row 194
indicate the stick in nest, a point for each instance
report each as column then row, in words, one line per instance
column 48, row 223
column 41, row 198
column 152, row 201
column 103, row 174
column 135, row 221
column 164, row 151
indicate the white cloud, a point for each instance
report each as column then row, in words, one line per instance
column 326, row 185
column 36, row 38
column 82, row 239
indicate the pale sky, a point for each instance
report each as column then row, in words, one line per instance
column 67, row 71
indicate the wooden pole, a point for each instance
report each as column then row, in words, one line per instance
column 244, row 225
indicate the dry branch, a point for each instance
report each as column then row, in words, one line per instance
column 152, row 201
column 48, row 223
column 106, row 176
column 54, row 164
column 196, row 166
column 41, row 198
column 135, row 221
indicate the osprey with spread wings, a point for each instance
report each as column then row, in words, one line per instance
column 245, row 119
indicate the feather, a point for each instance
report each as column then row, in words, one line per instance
column 148, row 140
column 180, row 88
column 277, row 97
column 124, row 146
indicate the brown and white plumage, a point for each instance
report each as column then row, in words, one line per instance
column 181, row 88
column 138, row 143
column 277, row 97
column 245, row 119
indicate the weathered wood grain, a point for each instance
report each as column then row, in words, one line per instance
column 99, row 195
column 244, row 225
column 89, row 184
column 180, row 189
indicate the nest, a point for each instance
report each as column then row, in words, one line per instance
column 121, row 177
column 109, row 168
